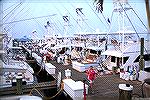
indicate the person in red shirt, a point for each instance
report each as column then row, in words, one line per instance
column 91, row 74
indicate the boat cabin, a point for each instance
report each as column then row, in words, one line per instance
column 129, row 56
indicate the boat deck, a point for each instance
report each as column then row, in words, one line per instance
column 105, row 86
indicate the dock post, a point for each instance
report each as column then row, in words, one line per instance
column 19, row 85
column 84, row 93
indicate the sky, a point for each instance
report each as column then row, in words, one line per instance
column 40, row 11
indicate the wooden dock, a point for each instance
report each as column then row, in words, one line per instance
column 105, row 86
column 27, row 88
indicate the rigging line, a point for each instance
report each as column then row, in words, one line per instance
column 12, row 14
column 60, row 23
column 59, row 13
column 129, row 20
column 97, row 16
column 37, row 22
column 84, row 20
column 7, row 8
column 110, row 27
column 13, row 24
column 16, row 15
column 105, row 19
column 26, row 19
column 11, row 11
column 55, row 25
column 26, row 10
column 141, row 27
column 138, row 17
column 73, row 18
column 131, row 24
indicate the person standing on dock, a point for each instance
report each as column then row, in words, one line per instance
column 91, row 75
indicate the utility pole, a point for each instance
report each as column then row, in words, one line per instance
column 147, row 3
column 141, row 60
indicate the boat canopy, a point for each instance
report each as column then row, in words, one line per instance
column 127, row 51
column 95, row 48
column 115, row 53
column 60, row 46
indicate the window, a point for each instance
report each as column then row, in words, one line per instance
column 93, row 51
column 147, row 57
column 99, row 52
column 113, row 58
column 125, row 59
